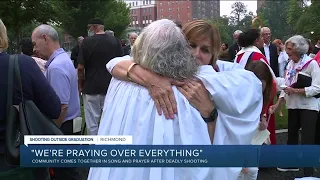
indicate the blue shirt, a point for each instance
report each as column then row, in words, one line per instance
column 35, row 88
column 62, row 76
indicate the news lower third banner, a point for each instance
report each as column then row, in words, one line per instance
column 118, row 151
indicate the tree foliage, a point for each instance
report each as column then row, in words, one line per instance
column 239, row 11
column 21, row 15
column 74, row 15
column 294, row 12
column 274, row 15
column 246, row 22
column 222, row 24
column 305, row 19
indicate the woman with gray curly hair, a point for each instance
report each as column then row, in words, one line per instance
column 130, row 110
column 302, row 85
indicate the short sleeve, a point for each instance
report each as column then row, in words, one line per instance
column 59, row 81
column 113, row 62
column 80, row 57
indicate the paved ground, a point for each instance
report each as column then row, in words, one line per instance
column 273, row 174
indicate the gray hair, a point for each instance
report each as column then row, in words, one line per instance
column 80, row 38
column 299, row 43
column 237, row 32
column 109, row 32
column 264, row 28
column 47, row 30
column 162, row 48
column 132, row 33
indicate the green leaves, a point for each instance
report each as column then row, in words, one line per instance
column 274, row 15
column 224, row 29
column 74, row 16
column 18, row 15
column 304, row 19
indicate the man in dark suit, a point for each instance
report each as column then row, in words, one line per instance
column 270, row 51
column 235, row 48
column 132, row 38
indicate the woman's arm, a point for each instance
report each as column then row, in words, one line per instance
column 278, row 104
column 198, row 96
column 137, row 73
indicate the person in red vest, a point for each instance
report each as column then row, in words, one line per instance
column 251, row 41
column 317, row 57
column 317, row 137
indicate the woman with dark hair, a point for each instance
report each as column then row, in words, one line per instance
column 251, row 41
column 261, row 70
column 224, row 46
column 223, row 55
column 27, row 49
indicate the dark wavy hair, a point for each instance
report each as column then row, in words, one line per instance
column 262, row 71
column 248, row 37
column 26, row 46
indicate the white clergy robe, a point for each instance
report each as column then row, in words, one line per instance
column 129, row 110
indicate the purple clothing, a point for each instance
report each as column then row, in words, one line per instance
column 62, row 76
column 35, row 88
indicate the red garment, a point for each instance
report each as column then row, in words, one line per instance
column 272, row 122
column 317, row 57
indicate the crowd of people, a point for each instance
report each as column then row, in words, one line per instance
column 172, row 85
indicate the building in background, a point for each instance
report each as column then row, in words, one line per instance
column 187, row 10
column 260, row 4
column 142, row 12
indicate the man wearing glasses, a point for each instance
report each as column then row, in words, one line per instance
column 269, row 50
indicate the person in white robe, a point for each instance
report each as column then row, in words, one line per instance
column 130, row 110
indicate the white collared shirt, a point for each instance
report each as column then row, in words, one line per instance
column 267, row 51
column 306, row 101
column 283, row 57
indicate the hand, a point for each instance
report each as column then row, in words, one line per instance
column 281, row 46
column 263, row 123
column 161, row 92
column 273, row 108
column 290, row 90
column 244, row 170
column 80, row 91
column 198, row 96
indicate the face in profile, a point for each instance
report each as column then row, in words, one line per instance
column 259, row 42
column 291, row 53
column 236, row 37
column 40, row 45
column 223, row 47
column 201, row 50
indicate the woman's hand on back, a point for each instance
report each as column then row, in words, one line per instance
column 198, row 96
column 160, row 89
